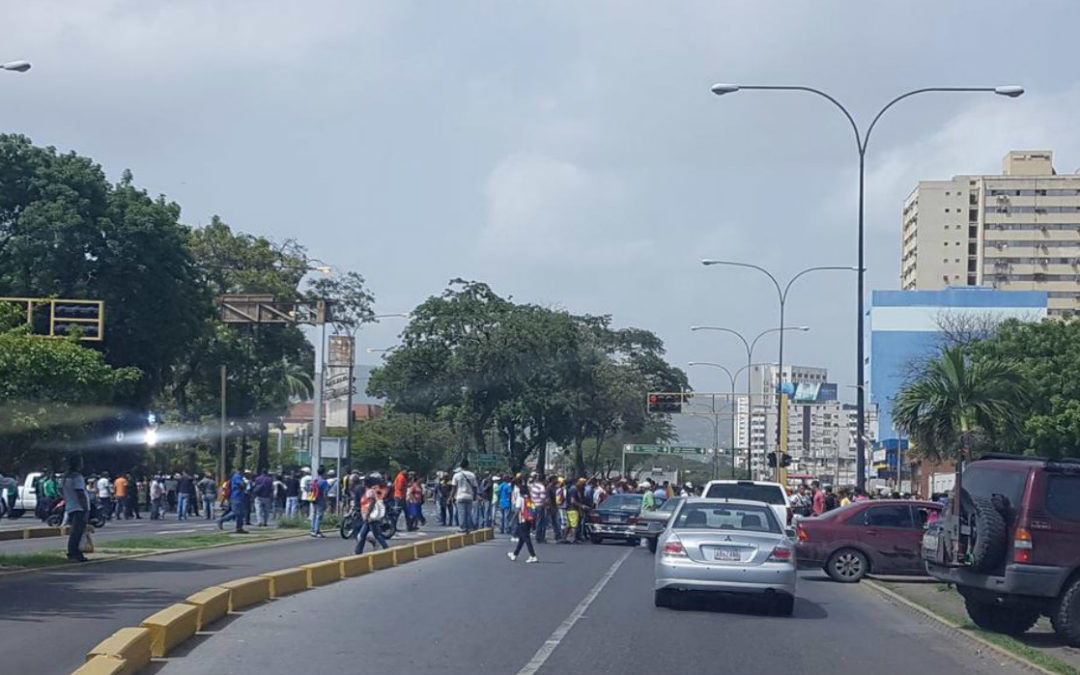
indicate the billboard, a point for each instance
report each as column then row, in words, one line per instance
column 807, row 392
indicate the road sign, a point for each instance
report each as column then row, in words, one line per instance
column 58, row 317
column 485, row 459
column 664, row 450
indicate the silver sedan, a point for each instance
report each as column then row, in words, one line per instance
column 725, row 546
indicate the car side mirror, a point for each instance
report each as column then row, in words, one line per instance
column 790, row 532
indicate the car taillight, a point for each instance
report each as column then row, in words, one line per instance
column 780, row 554
column 633, row 520
column 674, row 549
column 594, row 517
column 1022, row 546
column 802, row 534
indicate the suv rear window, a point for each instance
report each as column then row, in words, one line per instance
column 1063, row 497
column 770, row 494
column 987, row 482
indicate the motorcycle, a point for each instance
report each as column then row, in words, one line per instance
column 352, row 522
column 56, row 515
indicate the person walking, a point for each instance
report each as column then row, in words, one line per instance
column 372, row 511
column 414, row 504
column 526, row 508
column 401, row 487
column 538, row 493
column 465, row 488
column 207, row 488
column 133, row 497
column 185, row 487
column 506, row 491
column 103, row 486
column 76, row 506
column 263, row 493
column 319, row 488
column 237, row 494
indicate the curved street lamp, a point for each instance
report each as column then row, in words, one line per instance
column 16, row 66
column 861, row 142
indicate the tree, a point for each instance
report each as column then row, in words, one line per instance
column 349, row 299
column 958, row 402
column 396, row 440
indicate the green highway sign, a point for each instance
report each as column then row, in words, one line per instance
column 485, row 459
column 663, row 450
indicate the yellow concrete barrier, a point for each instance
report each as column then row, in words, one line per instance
column 247, row 591
column 424, row 549
column 42, row 532
column 104, row 665
column 456, row 540
column 354, row 565
column 441, row 544
column 8, row 535
column 404, row 554
column 212, row 604
column 131, row 645
column 381, row 559
column 287, row 582
column 475, row 537
column 322, row 573
column 170, row 627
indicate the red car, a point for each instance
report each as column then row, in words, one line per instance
column 882, row 536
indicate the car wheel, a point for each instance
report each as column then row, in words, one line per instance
column 784, row 605
column 651, row 543
column 1001, row 619
column 847, row 566
column 596, row 539
column 1066, row 615
column 663, row 598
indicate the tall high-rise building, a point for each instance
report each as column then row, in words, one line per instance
column 1018, row 231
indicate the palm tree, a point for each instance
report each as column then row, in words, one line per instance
column 296, row 381
column 959, row 403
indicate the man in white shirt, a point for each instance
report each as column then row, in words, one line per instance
column 76, row 506
column 104, row 494
column 465, row 487
column 305, row 492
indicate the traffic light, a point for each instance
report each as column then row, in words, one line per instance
column 785, row 460
column 665, row 403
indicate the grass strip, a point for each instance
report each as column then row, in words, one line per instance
column 33, row 560
column 176, row 543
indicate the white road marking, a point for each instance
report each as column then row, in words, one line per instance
column 552, row 642
column 174, row 531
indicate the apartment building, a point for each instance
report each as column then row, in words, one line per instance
column 1018, row 231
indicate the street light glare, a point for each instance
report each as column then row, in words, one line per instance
column 17, row 66
column 1012, row 91
column 720, row 89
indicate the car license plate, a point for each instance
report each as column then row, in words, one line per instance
column 727, row 553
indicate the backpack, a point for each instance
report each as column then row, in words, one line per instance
column 528, row 510
column 226, row 490
column 831, row 502
column 316, row 493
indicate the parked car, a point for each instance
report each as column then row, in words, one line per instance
column 880, row 536
column 1011, row 544
column 648, row 525
column 613, row 519
column 772, row 494
column 26, row 499
column 725, row 546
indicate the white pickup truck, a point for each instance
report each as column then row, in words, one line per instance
column 26, row 500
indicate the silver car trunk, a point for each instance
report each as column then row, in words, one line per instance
column 731, row 547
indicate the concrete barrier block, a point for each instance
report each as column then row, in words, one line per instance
column 247, row 591
column 103, row 665
column 323, row 573
column 475, row 537
column 131, row 645
column 456, row 540
column 287, row 582
column 212, row 603
column 170, row 627
column 381, row 559
column 404, row 554
column 354, row 565
column 441, row 544
column 8, row 535
column 424, row 549
column 489, row 533
column 42, row 532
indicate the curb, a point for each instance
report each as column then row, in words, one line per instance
column 145, row 554
column 957, row 629
column 129, row 650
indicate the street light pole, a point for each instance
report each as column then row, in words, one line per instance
column 861, row 142
column 734, row 411
column 782, row 295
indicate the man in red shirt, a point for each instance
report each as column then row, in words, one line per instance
column 401, row 486
column 819, row 498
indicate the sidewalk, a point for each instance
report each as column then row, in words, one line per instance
column 944, row 600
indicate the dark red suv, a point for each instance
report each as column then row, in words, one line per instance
column 880, row 536
column 1011, row 544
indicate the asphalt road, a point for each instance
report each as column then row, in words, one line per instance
column 49, row 619
column 116, row 529
column 473, row 611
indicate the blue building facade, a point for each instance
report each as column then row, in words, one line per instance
column 905, row 329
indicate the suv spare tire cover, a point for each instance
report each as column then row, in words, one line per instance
column 989, row 533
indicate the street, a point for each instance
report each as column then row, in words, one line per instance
column 474, row 611
column 51, row 618
column 114, row 529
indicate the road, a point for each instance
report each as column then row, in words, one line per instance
column 473, row 611
column 115, row 529
column 51, row 618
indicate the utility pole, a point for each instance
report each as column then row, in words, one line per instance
column 222, row 475
column 317, row 404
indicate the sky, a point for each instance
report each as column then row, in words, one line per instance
column 567, row 153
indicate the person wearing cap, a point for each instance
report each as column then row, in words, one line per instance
column 538, row 494
column 305, row 491
column 648, row 498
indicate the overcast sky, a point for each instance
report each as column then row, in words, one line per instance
column 567, row 153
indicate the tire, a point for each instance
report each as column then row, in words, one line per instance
column 1066, row 615
column 54, row 519
column 988, row 535
column 663, row 598
column 596, row 539
column 389, row 528
column 347, row 527
column 784, row 605
column 1001, row 619
column 651, row 543
column 98, row 522
column 848, row 566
